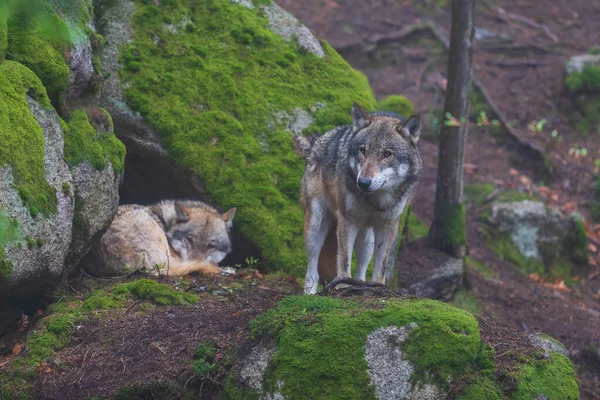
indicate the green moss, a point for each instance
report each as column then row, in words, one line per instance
column 233, row 390
column 479, row 193
column 480, row 267
column 502, row 244
column 398, row 104
column 577, row 241
column 481, row 389
column 6, row 266
column 146, row 289
column 321, row 343
column 22, row 138
column 82, row 143
column 211, row 95
column 585, row 89
column 204, row 363
column 100, row 300
column 554, row 378
column 37, row 38
column 3, row 31
column 452, row 229
column 587, row 81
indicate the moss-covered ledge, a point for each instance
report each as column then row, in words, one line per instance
column 312, row 347
column 217, row 84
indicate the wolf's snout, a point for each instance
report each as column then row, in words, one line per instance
column 364, row 184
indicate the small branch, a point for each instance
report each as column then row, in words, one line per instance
column 529, row 22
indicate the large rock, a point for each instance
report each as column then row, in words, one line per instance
column 311, row 347
column 536, row 237
column 219, row 89
column 42, row 171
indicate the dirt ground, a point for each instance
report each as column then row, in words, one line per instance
column 143, row 342
column 519, row 56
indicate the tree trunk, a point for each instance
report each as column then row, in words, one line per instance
column 448, row 230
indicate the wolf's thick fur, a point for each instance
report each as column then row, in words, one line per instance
column 358, row 180
column 180, row 236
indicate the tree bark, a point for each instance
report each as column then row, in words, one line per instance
column 448, row 230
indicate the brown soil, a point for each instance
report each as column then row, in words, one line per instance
column 522, row 70
column 417, row 262
column 140, row 345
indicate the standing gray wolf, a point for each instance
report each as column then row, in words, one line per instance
column 357, row 181
column 178, row 236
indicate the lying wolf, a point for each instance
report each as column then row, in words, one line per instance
column 358, row 180
column 172, row 238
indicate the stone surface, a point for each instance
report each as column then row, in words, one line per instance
column 287, row 26
column 390, row 372
column 530, row 223
column 34, row 264
column 442, row 283
column 579, row 62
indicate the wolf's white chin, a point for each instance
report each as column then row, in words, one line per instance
column 216, row 257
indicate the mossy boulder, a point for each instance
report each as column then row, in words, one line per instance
column 39, row 182
column 537, row 238
column 39, row 39
column 219, row 88
column 84, row 76
column 310, row 347
column 582, row 81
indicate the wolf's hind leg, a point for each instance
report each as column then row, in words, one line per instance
column 365, row 242
column 316, row 226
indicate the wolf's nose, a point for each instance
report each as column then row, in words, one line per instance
column 364, row 183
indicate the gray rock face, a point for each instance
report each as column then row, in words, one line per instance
column 253, row 368
column 51, row 247
column 530, row 223
column 390, row 372
column 578, row 63
column 548, row 345
column 285, row 24
column 97, row 200
column 118, row 31
column 443, row 282
column 46, row 261
column 80, row 61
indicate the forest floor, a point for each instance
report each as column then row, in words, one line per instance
column 519, row 60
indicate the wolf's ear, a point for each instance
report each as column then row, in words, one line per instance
column 181, row 212
column 360, row 118
column 228, row 217
column 410, row 128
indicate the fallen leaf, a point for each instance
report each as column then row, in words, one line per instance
column 17, row 349
column 554, row 197
column 525, row 180
column 513, row 172
column 597, row 295
column 592, row 247
column 592, row 261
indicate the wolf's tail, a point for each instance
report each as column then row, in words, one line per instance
column 328, row 258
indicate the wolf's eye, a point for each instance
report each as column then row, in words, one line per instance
column 387, row 154
column 362, row 149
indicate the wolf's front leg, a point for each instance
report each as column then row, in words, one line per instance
column 346, row 236
column 384, row 241
column 364, row 251
column 316, row 227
